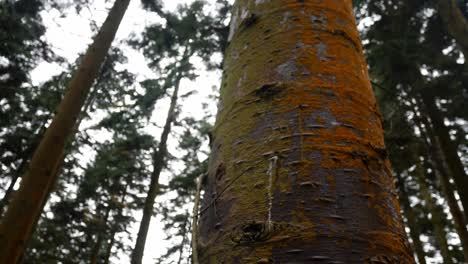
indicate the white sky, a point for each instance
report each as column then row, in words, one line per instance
column 71, row 34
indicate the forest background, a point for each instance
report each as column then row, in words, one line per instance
column 418, row 75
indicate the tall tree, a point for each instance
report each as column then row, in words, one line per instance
column 84, row 193
column 396, row 40
column 159, row 160
column 25, row 208
column 187, row 33
column 298, row 170
column 22, row 118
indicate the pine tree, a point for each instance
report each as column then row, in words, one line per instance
column 22, row 214
column 187, row 33
column 22, row 115
column 404, row 41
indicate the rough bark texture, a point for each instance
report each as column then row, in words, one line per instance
column 299, row 171
column 455, row 22
column 412, row 222
column 26, row 206
column 159, row 157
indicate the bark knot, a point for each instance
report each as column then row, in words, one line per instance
column 251, row 232
column 269, row 91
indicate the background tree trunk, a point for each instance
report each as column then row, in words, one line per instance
column 437, row 215
column 412, row 222
column 449, row 152
column 159, row 158
column 442, row 172
column 455, row 22
column 299, row 170
column 102, row 230
column 19, row 221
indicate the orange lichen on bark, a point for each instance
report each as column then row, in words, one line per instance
column 296, row 89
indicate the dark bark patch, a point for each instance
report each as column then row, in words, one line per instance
column 220, row 172
column 251, row 232
column 249, row 21
column 269, row 91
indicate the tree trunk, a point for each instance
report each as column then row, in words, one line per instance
column 299, row 171
column 455, row 22
column 159, row 157
column 115, row 227
column 185, row 233
column 458, row 218
column 412, row 221
column 442, row 172
column 109, row 247
column 21, row 216
column 100, row 238
column 437, row 215
column 449, row 150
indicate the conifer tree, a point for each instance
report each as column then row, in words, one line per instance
column 25, row 208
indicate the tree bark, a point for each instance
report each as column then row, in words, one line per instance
column 456, row 23
column 19, row 221
column 159, row 157
column 413, row 224
column 298, row 171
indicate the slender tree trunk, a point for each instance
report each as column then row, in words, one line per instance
column 299, row 171
column 455, row 22
column 19, row 221
column 458, row 218
column 109, row 248
column 413, row 224
column 449, row 150
column 100, row 238
column 196, row 208
column 185, row 233
column 159, row 157
column 114, row 228
column 442, row 172
column 436, row 213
